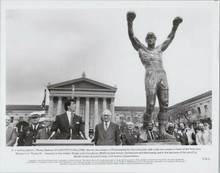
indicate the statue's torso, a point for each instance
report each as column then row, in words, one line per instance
column 151, row 59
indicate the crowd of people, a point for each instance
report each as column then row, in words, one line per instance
column 198, row 134
column 69, row 126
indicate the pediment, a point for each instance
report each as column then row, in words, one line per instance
column 83, row 84
column 80, row 84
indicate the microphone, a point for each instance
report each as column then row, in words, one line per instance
column 81, row 134
column 53, row 133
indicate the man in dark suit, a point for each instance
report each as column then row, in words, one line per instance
column 69, row 124
column 107, row 132
column 29, row 133
column 130, row 137
column 183, row 136
column 11, row 132
column 149, row 134
column 123, row 126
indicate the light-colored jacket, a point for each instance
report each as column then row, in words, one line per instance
column 204, row 138
column 11, row 135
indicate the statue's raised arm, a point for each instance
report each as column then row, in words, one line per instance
column 135, row 42
column 171, row 36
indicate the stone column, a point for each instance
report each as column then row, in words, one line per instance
column 201, row 105
column 209, row 104
column 112, row 109
column 104, row 104
column 96, row 112
column 59, row 106
column 77, row 105
column 87, row 118
column 51, row 107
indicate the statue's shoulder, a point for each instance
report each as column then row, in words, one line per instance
column 143, row 48
column 159, row 48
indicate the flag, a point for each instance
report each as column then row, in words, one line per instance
column 43, row 105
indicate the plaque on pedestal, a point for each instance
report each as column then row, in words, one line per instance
column 62, row 142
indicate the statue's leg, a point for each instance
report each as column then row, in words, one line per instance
column 163, row 96
column 150, row 103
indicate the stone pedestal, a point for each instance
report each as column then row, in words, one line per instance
column 62, row 142
column 159, row 142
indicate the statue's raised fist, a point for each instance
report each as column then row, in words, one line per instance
column 130, row 16
column 177, row 21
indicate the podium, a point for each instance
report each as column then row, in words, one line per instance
column 62, row 142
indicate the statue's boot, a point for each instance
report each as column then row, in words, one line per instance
column 162, row 118
column 163, row 132
column 147, row 120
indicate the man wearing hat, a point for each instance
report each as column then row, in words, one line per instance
column 69, row 124
column 29, row 133
column 107, row 132
column 130, row 136
column 45, row 132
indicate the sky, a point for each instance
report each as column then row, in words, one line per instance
column 56, row 45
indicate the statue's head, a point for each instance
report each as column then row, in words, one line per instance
column 150, row 38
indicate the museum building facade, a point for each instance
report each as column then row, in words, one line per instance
column 91, row 97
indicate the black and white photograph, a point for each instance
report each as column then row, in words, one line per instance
column 110, row 74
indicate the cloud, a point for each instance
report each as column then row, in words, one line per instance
column 58, row 45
